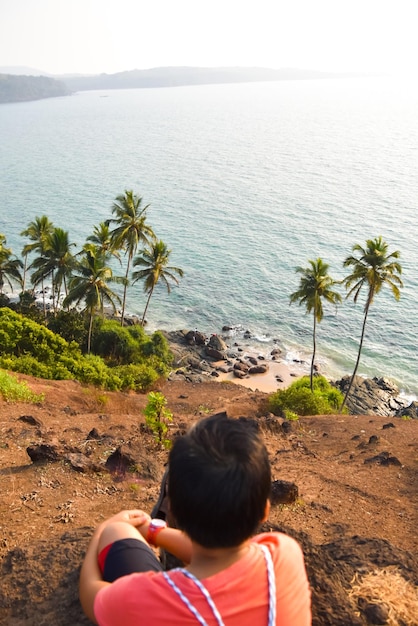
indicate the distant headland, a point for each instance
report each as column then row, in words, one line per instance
column 16, row 86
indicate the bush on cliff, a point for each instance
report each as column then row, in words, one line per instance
column 298, row 397
column 31, row 348
column 126, row 345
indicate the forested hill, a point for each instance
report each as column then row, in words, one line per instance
column 22, row 88
column 17, row 88
column 180, row 76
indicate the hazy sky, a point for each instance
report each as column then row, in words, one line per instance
column 94, row 36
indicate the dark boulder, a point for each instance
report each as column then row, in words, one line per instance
column 217, row 343
column 213, row 353
column 44, row 453
column 258, row 369
column 194, row 337
column 409, row 411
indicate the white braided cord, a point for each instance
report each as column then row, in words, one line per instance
column 187, row 602
column 271, row 589
column 272, row 585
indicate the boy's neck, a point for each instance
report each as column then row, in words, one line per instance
column 207, row 562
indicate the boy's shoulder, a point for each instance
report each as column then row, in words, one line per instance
column 278, row 541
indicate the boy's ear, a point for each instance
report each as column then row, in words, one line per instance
column 266, row 511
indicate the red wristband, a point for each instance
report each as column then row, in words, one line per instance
column 155, row 527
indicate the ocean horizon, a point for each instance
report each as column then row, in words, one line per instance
column 244, row 183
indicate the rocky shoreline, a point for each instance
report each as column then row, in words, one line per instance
column 198, row 358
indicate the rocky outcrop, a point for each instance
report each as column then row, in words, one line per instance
column 372, row 396
column 197, row 357
column 409, row 411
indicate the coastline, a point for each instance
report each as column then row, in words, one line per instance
column 198, row 358
column 279, row 375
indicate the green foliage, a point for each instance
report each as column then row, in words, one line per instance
column 291, row 416
column 157, row 345
column 14, row 390
column 33, row 349
column 136, row 377
column 27, row 307
column 298, row 398
column 70, row 325
column 130, row 345
column 117, row 343
column 157, row 417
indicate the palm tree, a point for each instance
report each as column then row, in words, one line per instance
column 315, row 285
column 102, row 237
column 9, row 266
column 56, row 261
column 131, row 229
column 155, row 260
column 38, row 231
column 373, row 268
column 91, row 286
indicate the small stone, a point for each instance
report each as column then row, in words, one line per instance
column 29, row 419
column 283, row 492
column 376, row 613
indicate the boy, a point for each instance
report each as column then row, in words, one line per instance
column 218, row 487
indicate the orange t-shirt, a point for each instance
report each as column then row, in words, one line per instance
column 240, row 592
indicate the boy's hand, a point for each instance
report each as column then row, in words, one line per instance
column 135, row 517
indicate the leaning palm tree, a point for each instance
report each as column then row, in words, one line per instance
column 154, row 260
column 373, row 268
column 131, row 230
column 38, row 232
column 91, row 285
column 10, row 266
column 315, row 285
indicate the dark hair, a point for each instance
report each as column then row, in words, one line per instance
column 219, row 481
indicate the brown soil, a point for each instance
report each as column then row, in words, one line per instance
column 351, row 514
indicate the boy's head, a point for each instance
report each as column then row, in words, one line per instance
column 219, row 481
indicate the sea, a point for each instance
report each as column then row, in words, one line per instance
column 243, row 182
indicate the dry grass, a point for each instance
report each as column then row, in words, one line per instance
column 388, row 587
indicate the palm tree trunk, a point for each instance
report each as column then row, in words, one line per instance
column 366, row 311
column 124, row 290
column 314, row 350
column 53, row 291
column 90, row 331
column 43, row 297
column 24, row 273
column 146, row 307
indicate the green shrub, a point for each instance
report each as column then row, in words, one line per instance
column 291, row 416
column 114, row 342
column 14, row 390
column 157, row 345
column 137, row 377
column 92, row 370
column 33, row 349
column 26, row 364
column 298, row 398
column 71, row 325
column 123, row 345
column 157, row 417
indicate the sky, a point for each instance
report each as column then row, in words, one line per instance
column 95, row 36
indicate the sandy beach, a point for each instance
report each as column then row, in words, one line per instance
column 268, row 382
